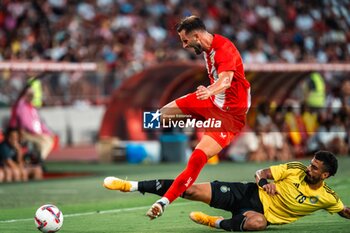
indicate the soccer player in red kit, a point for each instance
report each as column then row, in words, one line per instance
column 227, row 98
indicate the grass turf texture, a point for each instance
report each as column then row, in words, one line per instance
column 88, row 207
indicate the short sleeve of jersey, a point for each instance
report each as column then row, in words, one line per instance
column 279, row 172
column 336, row 207
column 335, row 204
column 226, row 58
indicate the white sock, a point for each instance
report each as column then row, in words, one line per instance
column 165, row 201
column 217, row 223
column 134, row 186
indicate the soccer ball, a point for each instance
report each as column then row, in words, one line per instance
column 48, row 218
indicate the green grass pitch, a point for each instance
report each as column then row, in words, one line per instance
column 88, row 207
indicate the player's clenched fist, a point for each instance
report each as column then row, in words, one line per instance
column 270, row 188
column 203, row 93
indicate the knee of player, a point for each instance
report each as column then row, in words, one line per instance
column 257, row 223
column 191, row 192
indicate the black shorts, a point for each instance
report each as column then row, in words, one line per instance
column 236, row 197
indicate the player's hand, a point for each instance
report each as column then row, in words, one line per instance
column 270, row 189
column 203, row 93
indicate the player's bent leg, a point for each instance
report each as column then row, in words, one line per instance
column 114, row 183
column 188, row 176
column 254, row 221
column 171, row 109
column 181, row 183
column 207, row 220
column 199, row 192
column 209, row 146
column 249, row 221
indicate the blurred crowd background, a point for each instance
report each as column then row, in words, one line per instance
column 127, row 36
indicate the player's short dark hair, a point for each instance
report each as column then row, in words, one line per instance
column 190, row 23
column 329, row 160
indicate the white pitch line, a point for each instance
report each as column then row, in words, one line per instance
column 87, row 213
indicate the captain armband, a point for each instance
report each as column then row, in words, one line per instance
column 262, row 182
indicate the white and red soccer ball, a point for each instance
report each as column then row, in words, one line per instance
column 48, row 218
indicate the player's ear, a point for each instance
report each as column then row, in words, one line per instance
column 324, row 175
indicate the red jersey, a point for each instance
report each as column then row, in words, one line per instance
column 224, row 56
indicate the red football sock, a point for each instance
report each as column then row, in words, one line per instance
column 188, row 176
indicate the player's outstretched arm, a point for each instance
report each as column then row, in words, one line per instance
column 345, row 213
column 261, row 177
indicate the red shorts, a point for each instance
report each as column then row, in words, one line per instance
column 232, row 122
column 223, row 138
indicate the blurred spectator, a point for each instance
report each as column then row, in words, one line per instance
column 331, row 135
column 295, row 129
column 275, row 146
column 345, row 96
column 128, row 36
column 315, row 91
column 10, row 150
column 2, row 173
column 255, row 52
column 272, row 145
column 333, row 101
column 12, row 159
column 33, row 129
column 2, row 165
column 243, row 146
column 309, row 119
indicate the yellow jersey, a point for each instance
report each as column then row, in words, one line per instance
column 295, row 198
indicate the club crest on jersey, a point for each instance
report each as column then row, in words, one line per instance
column 313, row 200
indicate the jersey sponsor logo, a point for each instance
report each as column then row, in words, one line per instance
column 151, row 120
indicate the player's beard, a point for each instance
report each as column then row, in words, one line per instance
column 311, row 180
column 197, row 48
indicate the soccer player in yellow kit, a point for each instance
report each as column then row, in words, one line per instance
column 296, row 191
